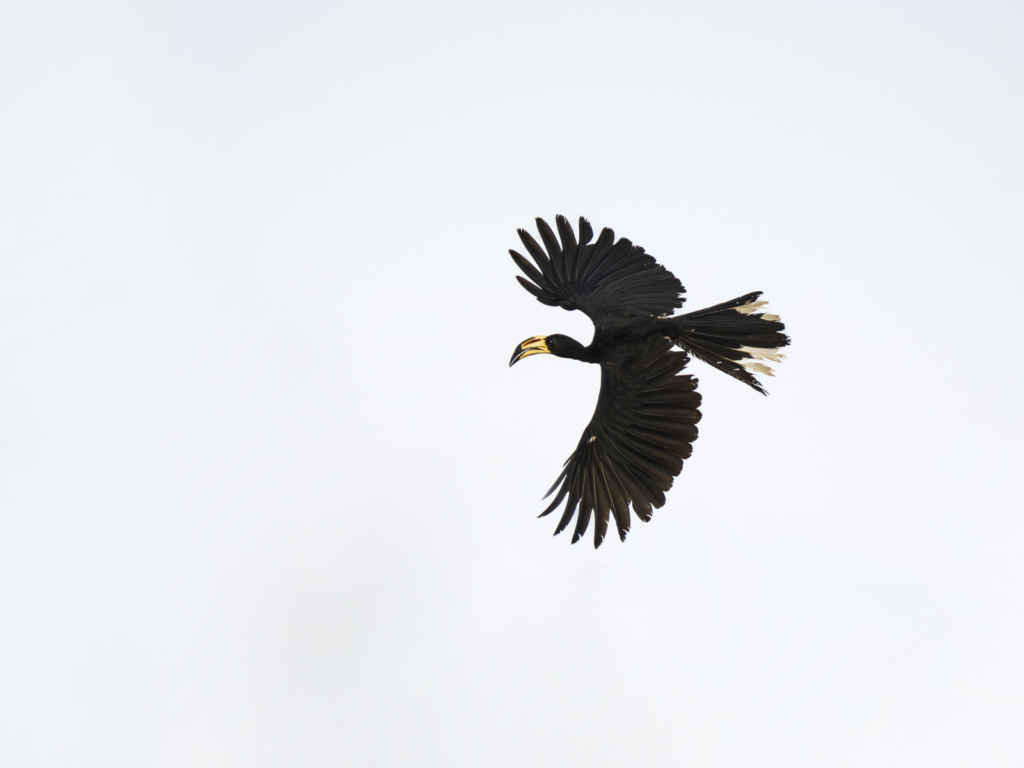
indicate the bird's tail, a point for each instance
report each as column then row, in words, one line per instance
column 735, row 337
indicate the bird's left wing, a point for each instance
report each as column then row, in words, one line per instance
column 608, row 280
column 634, row 446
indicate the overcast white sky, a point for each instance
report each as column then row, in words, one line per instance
column 268, row 490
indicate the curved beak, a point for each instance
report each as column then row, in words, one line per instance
column 535, row 345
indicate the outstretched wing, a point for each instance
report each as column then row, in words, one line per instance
column 641, row 431
column 609, row 280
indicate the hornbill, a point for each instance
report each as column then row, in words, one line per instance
column 645, row 421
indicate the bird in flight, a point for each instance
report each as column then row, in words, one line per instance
column 646, row 415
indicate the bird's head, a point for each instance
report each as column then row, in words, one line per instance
column 556, row 344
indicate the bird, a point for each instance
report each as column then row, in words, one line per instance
column 645, row 421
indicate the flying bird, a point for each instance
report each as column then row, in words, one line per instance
column 645, row 421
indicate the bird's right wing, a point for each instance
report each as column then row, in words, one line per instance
column 608, row 280
column 634, row 446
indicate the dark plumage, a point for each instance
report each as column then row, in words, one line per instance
column 647, row 410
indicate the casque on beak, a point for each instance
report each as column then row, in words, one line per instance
column 535, row 345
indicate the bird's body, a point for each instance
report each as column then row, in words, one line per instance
column 644, row 422
column 616, row 346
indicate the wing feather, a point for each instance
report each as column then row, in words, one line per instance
column 602, row 506
column 632, row 450
column 609, row 280
column 541, row 295
column 538, row 255
column 528, row 268
column 568, row 246
column 619, row 500
column 570, row 510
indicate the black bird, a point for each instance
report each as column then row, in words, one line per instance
column 645, row 421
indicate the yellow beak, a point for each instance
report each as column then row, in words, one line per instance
column 535, row 345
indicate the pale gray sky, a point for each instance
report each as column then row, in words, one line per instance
column 268, row 489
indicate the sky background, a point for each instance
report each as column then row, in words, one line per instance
column 268, row 489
